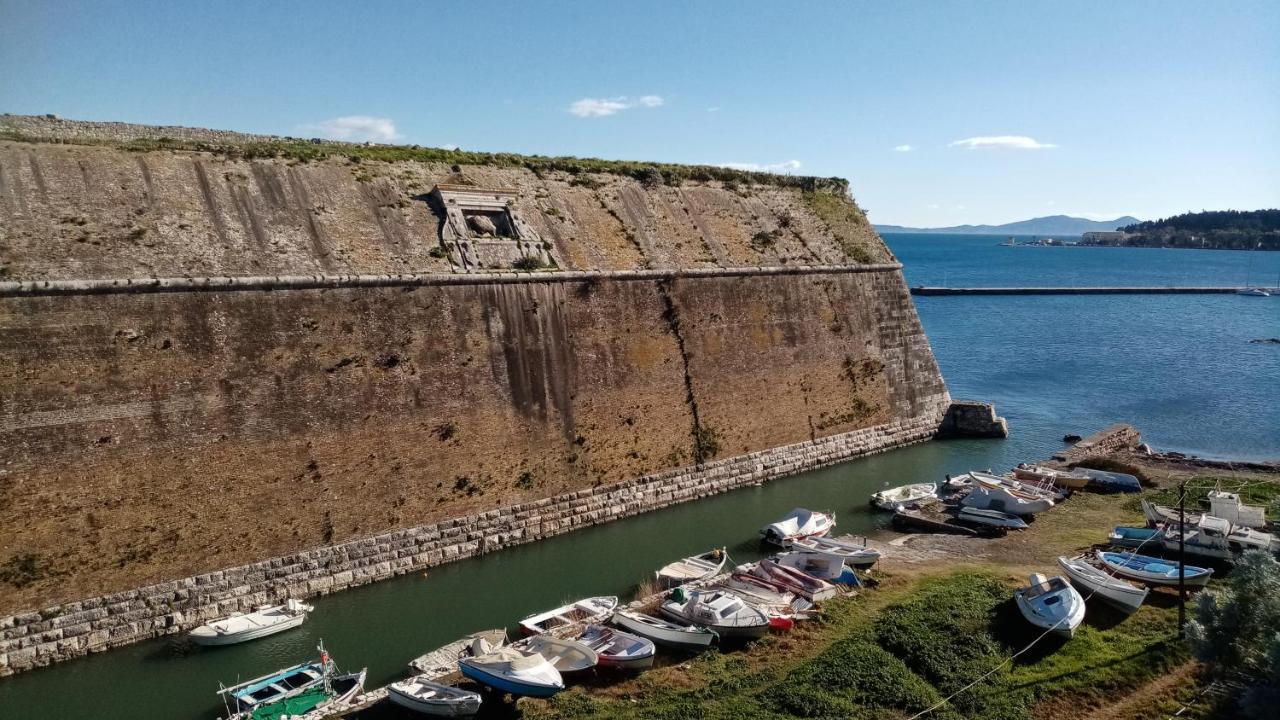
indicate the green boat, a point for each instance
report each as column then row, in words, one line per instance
column 293, row 691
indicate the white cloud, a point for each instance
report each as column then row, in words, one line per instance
column 934, row 206
column 903, row 148
column 786, row 166
column 603, row 107
column 1005, row 142
column 355, row 128
column 713, row 109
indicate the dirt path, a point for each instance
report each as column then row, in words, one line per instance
column 1142, row 702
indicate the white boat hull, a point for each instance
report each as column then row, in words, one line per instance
column 203, row 636
column 1092, row 582
column 457, row 704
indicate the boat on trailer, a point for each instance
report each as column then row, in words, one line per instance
column 592, row 609
column 296, row 690
column 422, row 695
column 515, row 671
column 1051, row 604
column 1093, row 582
column 243, row 627
column 1153, row 571
column 692, row 569
column 798, row 524
column 679, row 636
column 904, row 496
column 854, row 555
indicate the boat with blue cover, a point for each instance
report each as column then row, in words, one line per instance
column 1152, row 570
column 1133, row 537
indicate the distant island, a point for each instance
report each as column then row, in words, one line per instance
column 1211, row 230
column 1050, row 225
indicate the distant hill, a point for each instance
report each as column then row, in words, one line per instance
column 1050, row 225
column 1211, row 230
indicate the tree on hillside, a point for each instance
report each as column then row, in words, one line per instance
column 1236, row 631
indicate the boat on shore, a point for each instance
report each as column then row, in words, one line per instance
column 1160, row 515
column 617, row 649
column 990, row 518
column 1102, row 481
column 588, row 610
column 798, row 524
column 916, row 520
column 1216, row 538
column 1004, row 500
column 823, row 566
column 796, row 581
column 1051, row 604
column 296, row 690
column 1093, row 582
column 904, row 496
column 565, row 655
column 421, row 695
column 855, row 555
column 1134, row 537
column 514, row 671
column 243, row 627
column 1029, row 490
column 1153, row 571
column 725, row 613
column 691, row 569
column 679, row 636
column 1068, row 479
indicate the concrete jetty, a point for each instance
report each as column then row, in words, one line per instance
column 923, row 290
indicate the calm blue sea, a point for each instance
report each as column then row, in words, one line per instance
column 1179, row 367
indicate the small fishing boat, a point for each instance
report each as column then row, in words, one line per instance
column 1153, row 571
column 296, row 690
column 515, row 671
column 854, row 555
column 916, row 520
column 617, row 649
column 1004, row 500
column 668, row 634
column 823, row 566
column 592, row 609
column 990, row 518
column 799, row 523
column 1102, row 481
column 904, row 496
column 1029, row 490
column 959, row 482
column 693, row 568
column 796, row 581
column 723, row 612
column 1160, row 515
column 773, row 601
column 566, row 656
column 774, row 593
column 1253, row 292
column 1051, row 604
column 242, row 627
column 1068, row 479
column 430, row 698
column 1093, row 582
column 1133, row 537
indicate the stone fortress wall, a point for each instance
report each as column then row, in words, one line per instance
column 208, row 359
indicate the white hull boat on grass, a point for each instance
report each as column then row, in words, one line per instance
column 429, row 698
column 514, row 671
column 853, row 554
column 800, row 583
column 1051, row 604
column 904, row 496
column 1153, row 571
column 678, row 636
column 1093, row 582
column 727, row 614
column 566, row 656
column 691, row 569
column 592, row 609
column 798, row 524
column 1031, row 491
column 264, row 621
column 990, row 518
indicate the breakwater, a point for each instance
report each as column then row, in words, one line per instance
column 936, row 291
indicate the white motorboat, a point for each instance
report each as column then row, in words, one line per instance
column 693, row 568
column 515, row 671
column 1254, row 292
column 668, row 634
column 264, row 621
column 1051, row 604
column 990, row 518
column 904, row 496
column 1093, row 582
column 1002, row 500
column 799, row 523
column 854, row 555
column 430, row 698
column 959, row 482
column 723, row 612
column 588, row 610
column 566, row 656
column 823, row 566
column 617, row 649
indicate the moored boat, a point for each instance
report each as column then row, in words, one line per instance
column 823, row 566
column 693, row 568
column 515, row 671
column 565, row 655
column 421, row 695
column 854, row 555
column 617, row 649
column 904, row 496
column 990, row 518
column 295, row 690
column 242, row 627
column 1051, row 604
column 679, row 636
column 796, row 581
column 723, row 612
column 592, row 609
column 1153, row 571
column 798, row 524
column 1093, row 582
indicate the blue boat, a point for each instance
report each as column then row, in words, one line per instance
column 1133, row 537
column 515, row 671
column 1152, row 570
column 1110, row 482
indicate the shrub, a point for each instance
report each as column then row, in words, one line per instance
column 851, row 673
column 528, row 263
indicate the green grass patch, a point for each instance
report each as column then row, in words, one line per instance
column 1198, row 487
column 847, row 223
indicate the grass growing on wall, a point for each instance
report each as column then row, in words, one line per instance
column 847, row 222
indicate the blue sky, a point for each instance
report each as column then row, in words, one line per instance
column 1009, row 110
